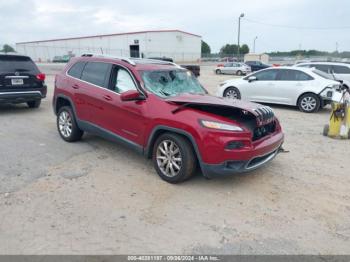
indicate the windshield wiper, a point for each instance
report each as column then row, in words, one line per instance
column 164, row 93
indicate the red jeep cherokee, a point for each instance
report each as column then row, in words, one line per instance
column 162, row 111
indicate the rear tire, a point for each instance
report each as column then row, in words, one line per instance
column 173, row 158
column 67, row 126
column 309, row 103
column 34, row 104
column 218, row 71
column 232, row 92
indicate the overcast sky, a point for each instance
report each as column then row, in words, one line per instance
column 278, row 24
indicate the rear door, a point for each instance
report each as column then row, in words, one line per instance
column 289, row 85
column 90, row 89
column 18, row 73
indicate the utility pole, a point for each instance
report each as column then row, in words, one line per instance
column 239, row 35
column 254, row 44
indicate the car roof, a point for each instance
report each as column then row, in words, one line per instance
column 305, row 69
column 324, row 63
column 137, row 63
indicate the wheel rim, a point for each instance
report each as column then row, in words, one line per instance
column 231, row 93
column 218, row 72
column 239, row 73
column 65, row 124
column 169, row 159
column 308, row 103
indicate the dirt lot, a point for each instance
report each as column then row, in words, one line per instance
column 97, row 197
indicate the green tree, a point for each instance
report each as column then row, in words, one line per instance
column 205, row 48
column 244, row 49
column 231, row 50
column 7, row 49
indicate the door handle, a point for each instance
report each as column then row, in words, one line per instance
column 75, row 86
column 107, row 97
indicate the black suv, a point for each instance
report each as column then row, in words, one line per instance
column 21, row 81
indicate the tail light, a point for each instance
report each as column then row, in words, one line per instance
column 41, row 77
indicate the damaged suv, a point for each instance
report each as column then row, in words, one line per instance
column 162, row 111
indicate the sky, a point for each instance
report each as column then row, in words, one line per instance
column 281, row 25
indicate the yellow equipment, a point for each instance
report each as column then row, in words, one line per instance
column 339, row 123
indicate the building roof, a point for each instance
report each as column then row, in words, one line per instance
column 94, row 36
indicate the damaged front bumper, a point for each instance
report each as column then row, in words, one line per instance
column 230, row 167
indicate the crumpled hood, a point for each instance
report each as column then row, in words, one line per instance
column 264, row 114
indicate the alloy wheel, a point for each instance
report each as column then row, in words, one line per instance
column 169, row 159
column 65, row 124
column 308, row 103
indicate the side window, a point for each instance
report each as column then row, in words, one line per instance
column 323, row 68
column 76, row 69
column 268, row 75
column 123, row 82
column 228, row 65
column 96, row 73
column 341, row 69
column 293, row 75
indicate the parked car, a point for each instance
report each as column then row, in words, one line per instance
column 256, row 65
column 21, row 81
column 233, row 69
column 306, row 88
column 195, row 69
column 61, row 59
column 339, row 71
column 161, row 110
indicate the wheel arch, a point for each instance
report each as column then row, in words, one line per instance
column 304, row 93
column 159, row 130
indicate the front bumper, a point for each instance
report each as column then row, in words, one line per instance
column 259, row 157
column 16, row 97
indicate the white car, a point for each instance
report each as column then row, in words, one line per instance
column 233, row 68
column 339, row 71
column 307, row 88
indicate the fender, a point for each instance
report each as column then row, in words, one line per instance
column 148, row 149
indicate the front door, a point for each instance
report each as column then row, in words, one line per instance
column 260, row 90
column 124, row 118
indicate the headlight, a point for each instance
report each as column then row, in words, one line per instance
column 220, row 126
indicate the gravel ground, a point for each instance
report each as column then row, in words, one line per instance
column 98, row 197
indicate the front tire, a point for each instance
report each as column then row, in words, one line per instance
column 173, row 158
column 232, row 92
column 67, row 126
column 239, row 73
column 34, row 104
column 309, row 103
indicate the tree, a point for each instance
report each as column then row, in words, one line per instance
column 7, row 49
column 205, row 48
column 244, row 49
column 231, row 50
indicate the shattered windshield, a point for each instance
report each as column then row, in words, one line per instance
column 171, row 82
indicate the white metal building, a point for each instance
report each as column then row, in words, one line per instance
column 176, row 44
column 264, row 58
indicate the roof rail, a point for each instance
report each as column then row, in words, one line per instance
column 124, row 59
column 157, row 61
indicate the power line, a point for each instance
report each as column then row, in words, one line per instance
column 297, row 27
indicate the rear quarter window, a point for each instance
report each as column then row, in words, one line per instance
column 76, row 70
column 13, row 63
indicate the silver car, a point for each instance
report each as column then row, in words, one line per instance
column 233, row 68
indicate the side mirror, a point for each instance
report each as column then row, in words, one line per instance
column 131, row 95
column 252, row 79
